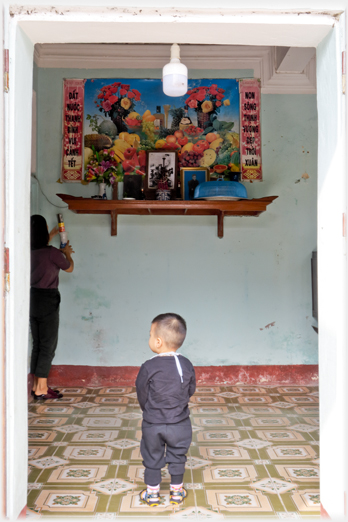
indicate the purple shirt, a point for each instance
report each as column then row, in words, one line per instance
column 45, row 265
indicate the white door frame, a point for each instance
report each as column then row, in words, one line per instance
column 27, row 26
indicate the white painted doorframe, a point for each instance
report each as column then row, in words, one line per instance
column 163, row 25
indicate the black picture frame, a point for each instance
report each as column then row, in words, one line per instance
column 133, row 186
column 161, row 165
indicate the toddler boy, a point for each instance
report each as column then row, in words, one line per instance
column 164, row 386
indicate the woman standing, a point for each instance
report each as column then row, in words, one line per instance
column 46, row 261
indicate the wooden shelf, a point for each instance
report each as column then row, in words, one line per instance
column 114, row 207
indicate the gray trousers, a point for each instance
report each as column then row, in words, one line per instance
column 163, row 444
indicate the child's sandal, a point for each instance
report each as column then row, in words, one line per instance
column 177, row 497
column 150, row 500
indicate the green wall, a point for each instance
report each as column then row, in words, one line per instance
column 246, row 298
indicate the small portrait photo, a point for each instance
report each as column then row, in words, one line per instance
column 190, row 178
column 161, row 172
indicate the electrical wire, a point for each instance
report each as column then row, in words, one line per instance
column 50, row 202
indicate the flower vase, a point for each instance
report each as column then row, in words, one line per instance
column 102, row 190
column 117, row 119
column 203, row 119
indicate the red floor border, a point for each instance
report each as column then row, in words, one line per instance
column 298, row 374
column 23, row 513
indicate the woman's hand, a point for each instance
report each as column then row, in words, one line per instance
column 68, row 249
column 53, row 233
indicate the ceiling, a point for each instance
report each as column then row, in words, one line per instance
column 283, row 70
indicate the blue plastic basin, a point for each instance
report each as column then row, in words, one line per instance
column 220, row 190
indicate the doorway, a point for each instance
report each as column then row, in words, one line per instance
column 24, row 32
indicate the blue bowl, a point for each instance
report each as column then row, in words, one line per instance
column 220, row 190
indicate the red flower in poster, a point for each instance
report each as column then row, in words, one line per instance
column 117, row 100
column 192, row 104
column 201, row 95
column 137, row 94
column 205, row 99
column 106, row 106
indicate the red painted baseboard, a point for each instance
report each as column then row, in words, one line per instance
column 301, row 374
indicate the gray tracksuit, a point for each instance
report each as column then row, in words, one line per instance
column 163, row 395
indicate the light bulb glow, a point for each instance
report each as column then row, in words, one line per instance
column 175, row 75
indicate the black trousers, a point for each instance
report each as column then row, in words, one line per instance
column 163, row 444
column 44, row 324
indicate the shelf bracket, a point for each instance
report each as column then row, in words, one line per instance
column 113, row 214
column 220, row 225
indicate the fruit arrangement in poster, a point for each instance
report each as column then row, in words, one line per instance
column 201, row 131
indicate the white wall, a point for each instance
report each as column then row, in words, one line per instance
column 17, row 240
column 227, row 289
column 331, row 274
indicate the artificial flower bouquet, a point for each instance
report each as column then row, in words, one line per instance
column 104, row 167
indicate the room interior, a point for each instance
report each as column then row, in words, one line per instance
column 257, row 278
column 246, row 297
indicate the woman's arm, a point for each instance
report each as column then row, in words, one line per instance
column 67, row 251
column 53, row 233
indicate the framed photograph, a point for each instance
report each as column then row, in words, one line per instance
column 161, row 173
column 190, row 178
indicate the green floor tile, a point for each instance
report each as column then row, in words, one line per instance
column 228, row 475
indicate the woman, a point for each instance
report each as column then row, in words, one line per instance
column 46, row 261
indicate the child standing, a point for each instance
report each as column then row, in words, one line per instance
column 164, row 386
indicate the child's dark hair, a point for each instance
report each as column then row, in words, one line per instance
column 172, row 328
column 39, row 235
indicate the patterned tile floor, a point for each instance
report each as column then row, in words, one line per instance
column 255, row 453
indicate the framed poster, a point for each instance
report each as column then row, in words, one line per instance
column 161, row 173
column 203, row 125
column 190, row 178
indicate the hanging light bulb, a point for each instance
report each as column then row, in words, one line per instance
column 175, row 74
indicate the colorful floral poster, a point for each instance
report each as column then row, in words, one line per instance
column 250, row 130
column 125, row 118
column 72, row 153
